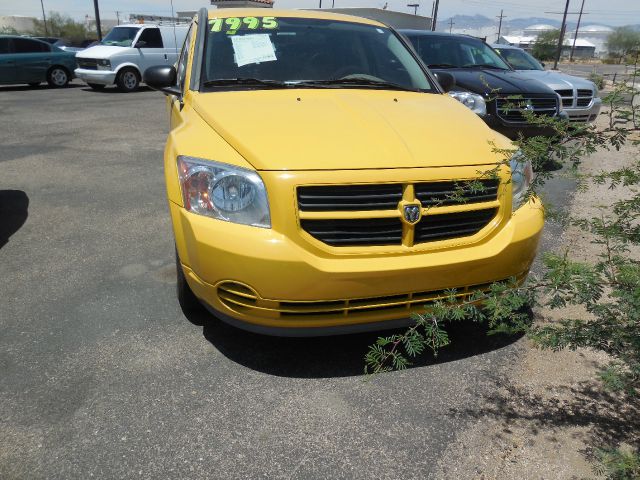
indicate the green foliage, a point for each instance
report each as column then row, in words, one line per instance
column 597, row 79
column 623, row 41
column 616, row 464
column 63, row 26
column 546, row 45
column 6, row 30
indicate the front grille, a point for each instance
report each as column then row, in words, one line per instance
column 87, row 63
column 452, row 225
column 566, row 96
column 352, row 232
column 510, row 109
column 242, row 299
column 349, row 197
column 584, row 98
column 454, row 193
column 384, row 226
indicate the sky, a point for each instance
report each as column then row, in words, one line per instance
column 610, row 12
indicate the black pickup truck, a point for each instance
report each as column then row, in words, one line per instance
column 479, row 70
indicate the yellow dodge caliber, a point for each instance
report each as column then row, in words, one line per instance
column 310, row 171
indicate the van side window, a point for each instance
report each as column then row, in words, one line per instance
column 4, row 45
column 152, row 38
column 24, row 45
column 184, row 60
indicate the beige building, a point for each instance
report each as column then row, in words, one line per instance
column 17, row 22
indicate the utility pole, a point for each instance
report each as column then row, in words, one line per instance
column 320, row 6
column 44, row 17
column 98, row 29
column 414, row 6
column 500, row 25
column 435, row 16
column 561, row 39
column 575, row 36
column 118, row 16
column 451, row 24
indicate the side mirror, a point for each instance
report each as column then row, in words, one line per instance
column 163, row 78
column 140, row 44
column 446, row 80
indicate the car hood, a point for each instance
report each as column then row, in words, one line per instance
column 333, row 129
column 557, row 80
column 491, row 81
column 100, row 51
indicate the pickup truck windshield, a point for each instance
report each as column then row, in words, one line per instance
column 456, row 52
column 281, row 52
column 120, row 36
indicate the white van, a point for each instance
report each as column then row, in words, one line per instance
column 126, row 52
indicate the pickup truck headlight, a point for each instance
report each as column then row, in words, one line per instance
column 472, row 101
column 521, row 178
column 222, row 191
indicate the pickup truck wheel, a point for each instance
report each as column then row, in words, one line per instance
column 58, row 77
column 96, row 86
column 187, row 300
column 128, row 80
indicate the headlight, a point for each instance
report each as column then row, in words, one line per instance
column 472, row 101
column 223, row 191
column 104, row 63
column 521, row 178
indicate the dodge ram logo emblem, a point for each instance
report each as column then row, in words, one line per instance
column 412, row 214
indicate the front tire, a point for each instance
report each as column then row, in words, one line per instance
column 128, row 80
column 58, row 77
column 96, row 86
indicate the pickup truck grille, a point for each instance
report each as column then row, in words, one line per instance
column 383, row 225
column 511, row 109
column 87, row 63
column 584, row 98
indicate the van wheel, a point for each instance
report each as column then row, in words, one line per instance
column 96, row 86
column 57, row 77
column 128, row 80
column 187, row 300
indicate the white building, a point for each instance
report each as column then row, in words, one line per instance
column 18, row 23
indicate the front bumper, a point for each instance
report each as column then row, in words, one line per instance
column 585, row 114
column 100, row 77
column 268, row 281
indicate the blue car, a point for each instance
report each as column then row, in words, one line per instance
column 31, row 61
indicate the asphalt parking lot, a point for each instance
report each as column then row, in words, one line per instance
column 104, row 377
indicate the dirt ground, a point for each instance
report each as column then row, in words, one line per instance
column 550, row 410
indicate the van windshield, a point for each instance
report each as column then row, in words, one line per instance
column 121, row 36
column 281, row 52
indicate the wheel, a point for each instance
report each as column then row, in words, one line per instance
column 96, row 86
column 34, row 84
column 58, row 77
column 187, row 300
column 128, row 80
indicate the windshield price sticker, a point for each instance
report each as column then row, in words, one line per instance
column 232, row 24
column 254, row 48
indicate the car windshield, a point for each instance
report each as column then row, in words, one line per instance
column 284, row 52
column 121, row 36
column 456, row 52
column 519, row 59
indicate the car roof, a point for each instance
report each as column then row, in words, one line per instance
column 504, row 46
column 313, row 14
column 24, row 38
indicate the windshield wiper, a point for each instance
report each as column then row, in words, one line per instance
column 441, row 65
column 484, row 65
column 354, row 82
column 245, row 82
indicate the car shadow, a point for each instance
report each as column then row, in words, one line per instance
column 14, row 209
column 42, row 86
column 332, row 356
column 114, row 89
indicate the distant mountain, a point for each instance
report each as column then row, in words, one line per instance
column 477, row 22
